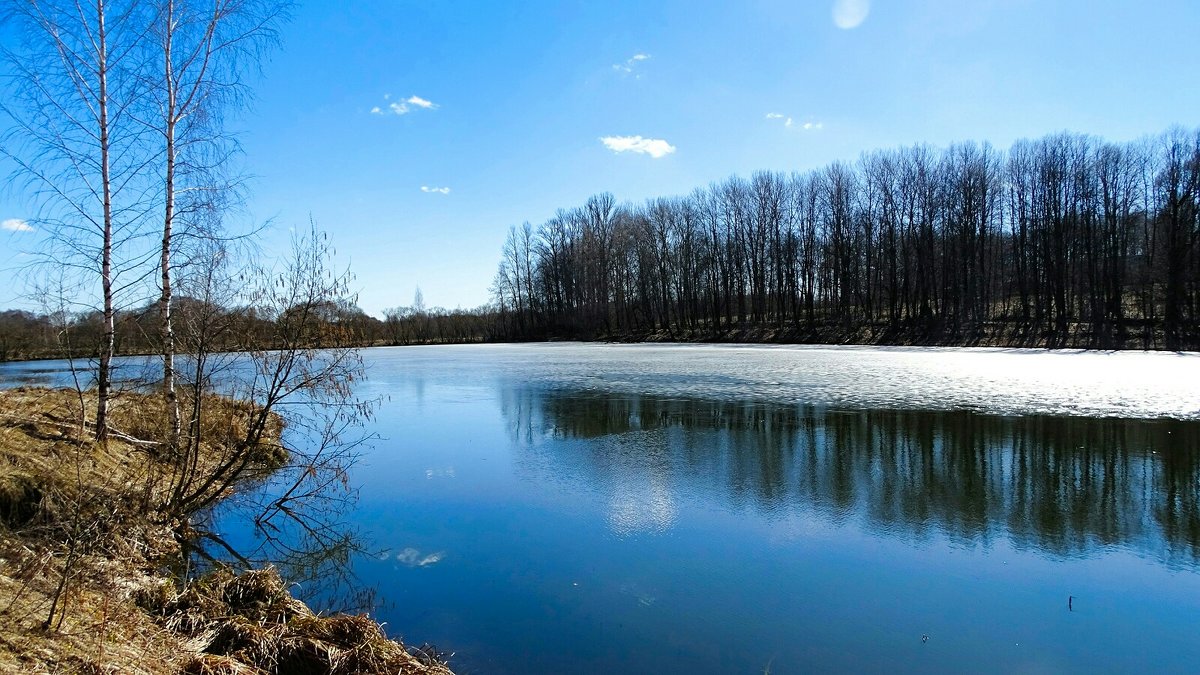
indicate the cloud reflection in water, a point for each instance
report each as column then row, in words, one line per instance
column 411, row 557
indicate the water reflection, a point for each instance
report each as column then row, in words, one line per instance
column 1063, row 486
column 313, row 548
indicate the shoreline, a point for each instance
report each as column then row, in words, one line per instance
column 741, row 338
column 87, row 582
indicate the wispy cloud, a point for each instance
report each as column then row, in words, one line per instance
column 439, row 190
column 403, row 106
column 655, row 147
column 789, row 122
column 630, row 63
column 16, row 225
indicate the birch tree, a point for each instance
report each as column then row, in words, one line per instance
column 77, row 147
column 200, row 51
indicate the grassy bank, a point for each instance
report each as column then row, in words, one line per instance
column 86, row 581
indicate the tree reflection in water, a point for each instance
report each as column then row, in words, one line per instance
column 313, row 549
column 1063, row 486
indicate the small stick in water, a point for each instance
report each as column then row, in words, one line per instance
column 1070, row 603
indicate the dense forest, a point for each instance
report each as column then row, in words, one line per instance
column 1066, row 240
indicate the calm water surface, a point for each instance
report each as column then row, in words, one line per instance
column 712, row 509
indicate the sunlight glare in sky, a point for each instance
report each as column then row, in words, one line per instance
column 849, row 14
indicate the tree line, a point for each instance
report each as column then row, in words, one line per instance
column 26, row 335
column 1067, row 240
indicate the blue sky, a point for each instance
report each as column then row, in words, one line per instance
column 506, row 104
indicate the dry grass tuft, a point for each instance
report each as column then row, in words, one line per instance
column 211, row 664
column 251, row 621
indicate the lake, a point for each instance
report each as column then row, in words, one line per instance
column 587, row 508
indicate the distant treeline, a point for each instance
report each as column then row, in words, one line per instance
column 27, row 335
column 1063, row 241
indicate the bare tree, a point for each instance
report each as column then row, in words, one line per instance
column 301, row 377
column 202, row 49
column 77, row 146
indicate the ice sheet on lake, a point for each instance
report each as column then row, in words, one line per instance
column 991, row 380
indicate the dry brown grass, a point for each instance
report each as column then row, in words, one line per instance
column 250, row 623
column 69, row 505
column 58, row 488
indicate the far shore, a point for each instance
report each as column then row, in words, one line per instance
column 774, row 337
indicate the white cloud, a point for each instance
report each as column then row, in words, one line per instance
column 439, row 190
column 655, row 147
column 787, row 121
column 403, row 107
column 16, row 225
column 812, row 126
column 421, row 102
column 629, row 64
